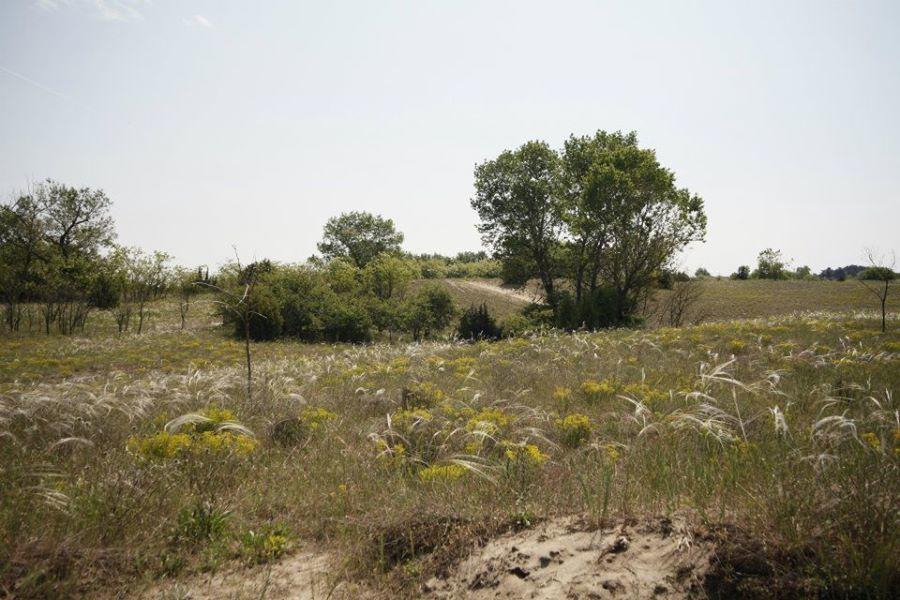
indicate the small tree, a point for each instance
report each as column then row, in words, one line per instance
column 742, row 273
column 185, row 285
column 387, row 276
column 701, row 273
column 140, row 277
column 877, row 279
column 770, row 265
column 150, row 273
column 477, row 323
column 803, row 272
column 359, row 236
column 429, row 311
column 237, row 303
column 680, row 302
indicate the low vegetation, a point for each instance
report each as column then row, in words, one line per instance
column 390, row 412
column 782, row 431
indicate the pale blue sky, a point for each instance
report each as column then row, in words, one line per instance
column 219, row 122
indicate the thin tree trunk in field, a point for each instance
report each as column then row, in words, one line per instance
column 247, row 350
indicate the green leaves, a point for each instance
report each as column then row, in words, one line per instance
column 359, row 236
column 602, row 211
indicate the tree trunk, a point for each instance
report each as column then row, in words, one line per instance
column 247, row 351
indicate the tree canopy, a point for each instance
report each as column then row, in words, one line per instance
column 602, row 212
column 359, row 236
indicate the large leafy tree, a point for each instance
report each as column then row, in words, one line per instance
column 517, row 201
column 603, row 212
column 588, row 186
column 644, row 217
column 51, row 240
column 359, row 236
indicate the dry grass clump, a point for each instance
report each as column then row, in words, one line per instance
column 402, row 458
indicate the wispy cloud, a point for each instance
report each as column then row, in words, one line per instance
column 108, row 10
column 33, row 83
column 120, row 10
column 199, row 21
column 51, row 4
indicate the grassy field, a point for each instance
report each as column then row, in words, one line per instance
column 725, row 299
column 720, row 299
column 130, row 460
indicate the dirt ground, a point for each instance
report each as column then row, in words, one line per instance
column 560, row 559
column 564, row 560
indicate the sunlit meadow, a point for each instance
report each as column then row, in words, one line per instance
column 127, row 459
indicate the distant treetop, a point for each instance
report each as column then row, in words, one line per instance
column 359, row 236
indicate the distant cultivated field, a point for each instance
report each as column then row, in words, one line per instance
column 720, row 300
column 727, row 299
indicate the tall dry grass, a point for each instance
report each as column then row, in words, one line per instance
column 781, row 435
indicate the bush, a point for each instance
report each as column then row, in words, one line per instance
column 430, row 311
column 335, row 303
column 596, row 310
column 105, row 291
column 668, row 278
column 742, row 273
column 433, row 269
column 485, row 269
column 516, row 271
column 477, row 323
column 574, row 430
column 265, row 319
column 347, row 322
column 877, row 274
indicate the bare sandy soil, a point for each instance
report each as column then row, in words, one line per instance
column 515, row 294
column 302, row 576
column 562, row 560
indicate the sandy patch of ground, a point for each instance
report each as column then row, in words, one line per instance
column 302, row 576
column 560, row 559
column 520, row 296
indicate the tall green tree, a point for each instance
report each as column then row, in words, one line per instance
column 647, row 219
column 54, row 236
column 517, row 200
column 359, row 236
column 605, row 206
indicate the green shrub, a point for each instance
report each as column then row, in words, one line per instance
column 477, row 323
column 516, row 271
column 742, row 273
column 597, row 309
column 263, row 546
column 430, row 311
column 201, row 522
column 266, row 320
column 105, row 292
column 574, row 430
column 347, row 322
